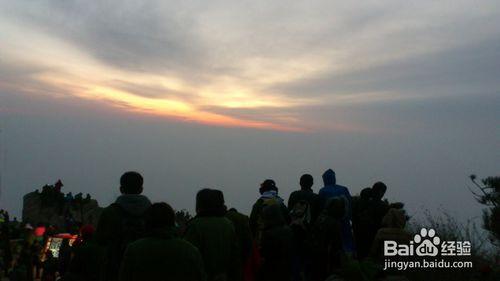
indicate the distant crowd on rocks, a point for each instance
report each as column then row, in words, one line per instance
column 328, row 235
column 52, row 195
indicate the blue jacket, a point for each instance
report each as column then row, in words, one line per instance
column 330, row 190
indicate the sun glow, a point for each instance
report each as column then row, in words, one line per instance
column 72, row 72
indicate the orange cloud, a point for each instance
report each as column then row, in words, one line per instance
column 169, row 108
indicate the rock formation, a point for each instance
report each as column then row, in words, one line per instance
column 53, row 207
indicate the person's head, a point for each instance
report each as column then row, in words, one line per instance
column 335, row 207
column 378, row 190
column 267, row 185
column 395, row 218
column 366, row 193
column 210, row 202
column 131, row 183
column 306, row 182
column 329, row 178
column 219, row 200
column 159, row 215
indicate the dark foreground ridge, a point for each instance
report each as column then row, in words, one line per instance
column 329, row 235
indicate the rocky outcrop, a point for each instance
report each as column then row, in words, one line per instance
column 56, row 209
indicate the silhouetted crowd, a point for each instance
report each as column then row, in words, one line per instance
column 52, row 196
column 312, row 237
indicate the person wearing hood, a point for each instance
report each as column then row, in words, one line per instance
column 393, row 228
column 269, row 196
column 333, row 190
column 277, row 246
column 215, row 237
column 161, row 255
column 122, row 223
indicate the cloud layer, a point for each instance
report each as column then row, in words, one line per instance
column 250, row 63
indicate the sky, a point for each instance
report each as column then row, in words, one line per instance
column 225, row 94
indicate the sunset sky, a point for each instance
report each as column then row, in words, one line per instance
column 227, row 93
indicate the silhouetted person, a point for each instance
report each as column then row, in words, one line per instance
column 5, row 246
column 69, row 198
column 214, row 235
column 393, row 228
column 122, row 222
column 326, row 243
column 49, row 267
column 303, row 205
column 305, row 197
column 64, row 257
column 18, row 273
column 244, row 236
column 333, row 190
column 277, row 247
column 87, row 199
column 79, row 198
column 24, row 263
column 36, row 249
column 58, row 186
column 378, row 190
column 364, row 223
column 380, row 206
column 161, row 255
column 88, row 257
column 269, row 196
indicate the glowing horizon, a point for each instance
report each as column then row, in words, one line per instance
column 216, row 68
column 79, row 75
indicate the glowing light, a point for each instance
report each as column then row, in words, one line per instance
column 72, row 72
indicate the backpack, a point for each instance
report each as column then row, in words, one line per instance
column 325, row 243
column 300, row 214
column 266, row 202
column 325, row 228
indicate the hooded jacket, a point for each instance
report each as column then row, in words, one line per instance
column 110, row 222
column 162, row 256
column 333, row 190
column 109, row 232
column 215, row 238
column 393, row 229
